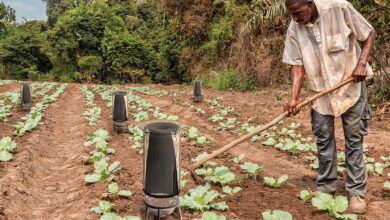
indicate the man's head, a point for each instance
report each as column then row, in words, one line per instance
column 301, row 11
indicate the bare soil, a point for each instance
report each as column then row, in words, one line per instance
column 46, row 178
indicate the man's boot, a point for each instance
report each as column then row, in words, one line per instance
column 357, row 205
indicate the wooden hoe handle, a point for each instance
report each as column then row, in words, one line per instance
column 270, row 124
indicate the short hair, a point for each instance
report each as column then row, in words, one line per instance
column 292, row 2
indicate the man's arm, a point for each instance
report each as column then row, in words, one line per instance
column 297, row 78
column 360, row 71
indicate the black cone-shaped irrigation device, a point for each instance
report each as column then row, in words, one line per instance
column 119, row 111
column 25, row 96
column 161, row 165
column 197, row 96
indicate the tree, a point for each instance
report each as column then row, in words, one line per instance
column 7, row 13
column 23, row 53
column 56, row 8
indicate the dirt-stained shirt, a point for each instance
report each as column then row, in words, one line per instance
column 329, row 52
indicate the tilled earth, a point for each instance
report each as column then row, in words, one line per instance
column 45, row 180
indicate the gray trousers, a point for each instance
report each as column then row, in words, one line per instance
column 355, row 128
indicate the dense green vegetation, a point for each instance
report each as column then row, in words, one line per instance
column 237, row 42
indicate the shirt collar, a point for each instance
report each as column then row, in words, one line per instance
column 318, row 6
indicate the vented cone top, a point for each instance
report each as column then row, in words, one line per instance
column 119, row 106
column 162, row 127
column 198, row 88
column 26, row 96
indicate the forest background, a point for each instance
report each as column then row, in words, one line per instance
column 229, row 44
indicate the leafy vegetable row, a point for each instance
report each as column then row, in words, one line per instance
column 104, row 173
column 92, row 113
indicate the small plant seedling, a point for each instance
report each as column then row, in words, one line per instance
column 334, row 206
column 380, row 167
column 216, row 118
column 384, row 158
column 238, row 158
column 211, row 216
column 229, row 125
column 103, row 171
column 199, row 110
column 201, row 199
column 137, row 134
column 387, row 184
column 221, row 175
column 183, row 182
column 7, row 145
column 95, row 137
column 226, row 111
column 94, row 156
column 252, row 169
column 140, row 116
column 104, row 207
column 276, row 183
column 294, row 125
column 230, row 191
column 201, row 140
column 203, row 155
column 113, row 190
column 93, row 115
column 269, row 142
column 192, row 132
column 314, row 164
column 276, row 215
column 305, row 195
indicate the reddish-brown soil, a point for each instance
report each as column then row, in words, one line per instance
column 46, row 178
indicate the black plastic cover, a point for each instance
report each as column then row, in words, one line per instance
column 119, row 107
column 26, row 94
column 161, row 171
column 198, row 88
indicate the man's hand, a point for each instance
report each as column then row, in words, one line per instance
column 359, row 73
column 290, row 107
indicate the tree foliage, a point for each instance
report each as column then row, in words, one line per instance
column 23, row 52
column 228, row 43
column 7, row 13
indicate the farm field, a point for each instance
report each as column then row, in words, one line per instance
column 54, row 169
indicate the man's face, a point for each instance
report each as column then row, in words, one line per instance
column 301, row 12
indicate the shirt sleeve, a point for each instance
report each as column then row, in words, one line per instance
column 292, row 53
column 359, row 26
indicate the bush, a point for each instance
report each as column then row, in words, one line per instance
column 221, row 34
column 22, row 52
column 90, row 67
column 123, row 52
column 230, row 79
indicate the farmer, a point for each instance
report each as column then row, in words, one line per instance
column 321, row 46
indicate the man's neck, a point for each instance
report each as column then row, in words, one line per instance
column 314, row 15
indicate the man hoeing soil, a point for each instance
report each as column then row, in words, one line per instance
column 321, row 45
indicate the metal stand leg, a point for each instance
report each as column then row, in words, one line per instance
column 179, row 209
column 147, row 212
column 158, row 214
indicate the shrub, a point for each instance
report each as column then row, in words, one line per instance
column 230, row 79
column 90, row 67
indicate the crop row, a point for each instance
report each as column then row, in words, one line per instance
column 31, row 120
column 93, row 112
column 34, row 117
column 5, row 82
column 104, row 173
column 8, row 100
